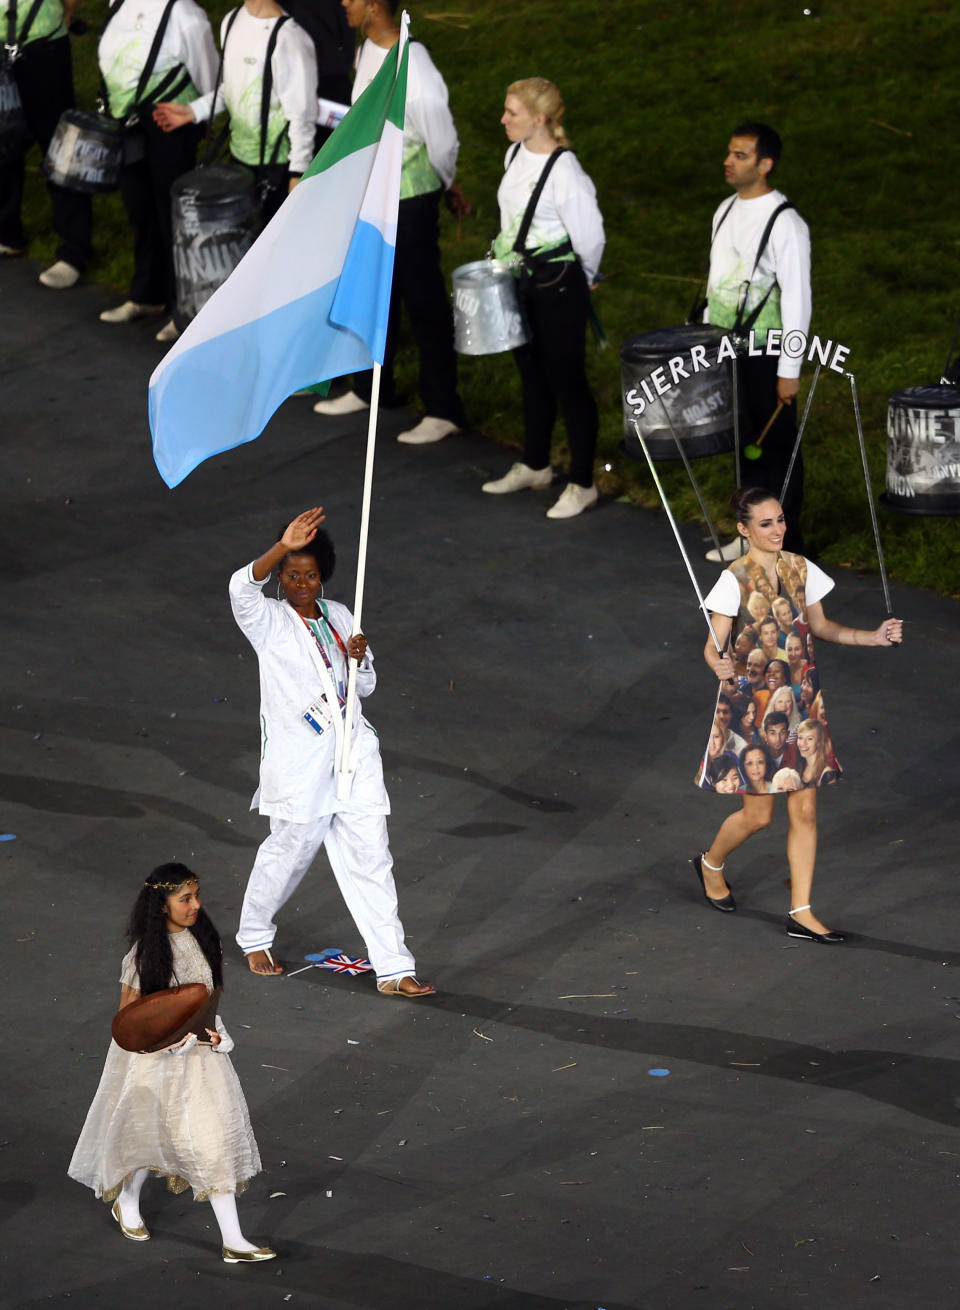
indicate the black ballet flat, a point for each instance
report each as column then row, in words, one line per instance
column 725, row 904
column 795, row 929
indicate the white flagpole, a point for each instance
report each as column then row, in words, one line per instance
column 344, row 771
column 344, row 777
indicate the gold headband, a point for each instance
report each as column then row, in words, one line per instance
column 172, row 886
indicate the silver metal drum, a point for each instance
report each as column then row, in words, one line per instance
column 85, row 152
column 486, row 310
column 923, row 451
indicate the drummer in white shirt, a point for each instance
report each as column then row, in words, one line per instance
column 184, row 68
column 281, row 156
column 554, row 241
column 430, row 148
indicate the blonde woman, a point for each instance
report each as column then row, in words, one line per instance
column 812, row 746
column 783, row 701
column 552, row 235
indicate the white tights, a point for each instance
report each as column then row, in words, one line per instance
column 129, row 1199
column 223, row 1204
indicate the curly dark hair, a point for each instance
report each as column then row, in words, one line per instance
column 321, row 548
column 147, row 931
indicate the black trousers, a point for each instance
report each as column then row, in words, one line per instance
column 553, row 369
column 418, row 283
column 758, row 399
column 145, row 188
column 44, row 76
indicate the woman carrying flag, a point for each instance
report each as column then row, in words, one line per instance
column 304, row 645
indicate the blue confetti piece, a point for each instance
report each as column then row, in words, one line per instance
column 317, row 956
column 658, row 1073
column 8, row 836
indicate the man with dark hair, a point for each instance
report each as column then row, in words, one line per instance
column 776, row 727
column 759, row 282
column 724, row 717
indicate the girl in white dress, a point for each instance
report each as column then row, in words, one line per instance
column 178, row 1112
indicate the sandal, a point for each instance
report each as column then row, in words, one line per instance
column 266, row 969
column 394, row 987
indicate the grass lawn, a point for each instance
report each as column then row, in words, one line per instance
column 863, row 94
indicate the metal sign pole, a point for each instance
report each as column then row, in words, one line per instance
column 870, row 500
column 676, row 533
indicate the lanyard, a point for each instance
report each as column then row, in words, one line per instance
column 325, row 657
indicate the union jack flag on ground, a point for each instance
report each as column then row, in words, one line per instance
column 343, row 963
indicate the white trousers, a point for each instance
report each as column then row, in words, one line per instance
column 359, row 855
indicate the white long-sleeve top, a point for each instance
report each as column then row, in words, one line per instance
column 428, row 121
column 567, row 208
column 125, row 44
column 296, row 765
column 784, row 263
column 293, row 96
column 49, row 23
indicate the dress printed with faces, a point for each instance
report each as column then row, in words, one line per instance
column 800, row 583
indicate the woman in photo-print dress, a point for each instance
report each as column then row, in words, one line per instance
column 768, row 572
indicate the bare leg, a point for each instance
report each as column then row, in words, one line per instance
column 802, row 853
column 736, row 828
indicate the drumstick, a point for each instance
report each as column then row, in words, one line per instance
column 753, row 450
column 803, row 423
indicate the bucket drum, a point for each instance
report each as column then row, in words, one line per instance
column 85, row 152
column 923, row 451
column 216, row 220
column 15, row 136
column 700, row 405
column 486, row 309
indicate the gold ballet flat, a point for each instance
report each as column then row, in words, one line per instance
column 247, row 1257
column 141, row 1234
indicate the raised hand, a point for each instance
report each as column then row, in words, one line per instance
column 303, row 529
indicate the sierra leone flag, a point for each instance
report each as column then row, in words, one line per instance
column 308, row 302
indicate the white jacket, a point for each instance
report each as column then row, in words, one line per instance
column 296, row 765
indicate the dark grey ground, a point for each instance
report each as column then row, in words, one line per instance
column 542, row 704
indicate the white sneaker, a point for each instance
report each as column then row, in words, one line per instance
column 574, row 499
column 520, row 475
column 59, row 276
column 428, row 430
column 731, row 551
column 348, row 403
column 169, row 332
column 129, row 311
